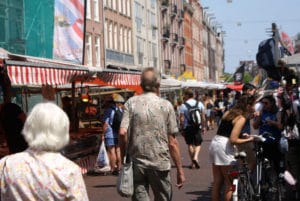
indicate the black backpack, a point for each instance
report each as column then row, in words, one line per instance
column 117, row 119
column 194, row 118
column 266, row 54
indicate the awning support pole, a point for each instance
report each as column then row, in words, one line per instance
column 73, row 121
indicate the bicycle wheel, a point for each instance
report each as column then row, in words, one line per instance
column 245, row 190
column 274, row 189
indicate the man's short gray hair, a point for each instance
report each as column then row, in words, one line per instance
column 150, row 80
column 47, row 127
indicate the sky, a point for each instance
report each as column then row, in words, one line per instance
column 246, row 22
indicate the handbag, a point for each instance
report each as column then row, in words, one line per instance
column 125, row 179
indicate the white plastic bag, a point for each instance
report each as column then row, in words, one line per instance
column 102, row 159
column 125, row 179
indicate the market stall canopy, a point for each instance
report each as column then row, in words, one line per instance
column 26, row 70
column 118, row 79
column 235, row 87
column 204, row 85
column 169, row 84
column 293, row 60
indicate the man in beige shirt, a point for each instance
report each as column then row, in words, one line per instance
column 152, row 140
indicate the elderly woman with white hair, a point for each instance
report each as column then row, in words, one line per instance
column 41, row 172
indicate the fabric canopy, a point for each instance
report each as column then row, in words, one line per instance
column 235, row 87
column 36, row 71
column 31, row 75
column 119, row 80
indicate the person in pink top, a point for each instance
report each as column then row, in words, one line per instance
column 41, row 172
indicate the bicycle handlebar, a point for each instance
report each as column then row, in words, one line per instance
column 259, row 138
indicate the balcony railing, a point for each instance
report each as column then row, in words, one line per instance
column 181, row 42
column 164, row 5
column 166, row 33
column 173, row 10
column 174, row 39
column 181, row 15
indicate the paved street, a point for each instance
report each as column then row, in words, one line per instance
column 197, row 185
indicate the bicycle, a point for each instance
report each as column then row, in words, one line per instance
column 266, row 186
column 270, row 185
column 242, row 184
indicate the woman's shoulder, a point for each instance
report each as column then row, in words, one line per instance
column 239, row 118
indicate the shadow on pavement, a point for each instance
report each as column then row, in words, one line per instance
column 202, row 195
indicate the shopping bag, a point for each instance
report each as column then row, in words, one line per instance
column 102, row 158
column 125, row 179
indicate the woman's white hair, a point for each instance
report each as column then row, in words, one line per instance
column 47, row 127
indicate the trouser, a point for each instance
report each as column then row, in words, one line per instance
column 159, row 181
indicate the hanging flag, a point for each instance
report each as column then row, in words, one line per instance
column 288, row 43
column 68, row 37
column 238, row 76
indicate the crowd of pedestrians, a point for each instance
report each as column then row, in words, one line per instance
column 149, row 127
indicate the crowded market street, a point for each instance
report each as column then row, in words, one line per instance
column 197, row 185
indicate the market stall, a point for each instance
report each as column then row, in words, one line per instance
column 35, row 79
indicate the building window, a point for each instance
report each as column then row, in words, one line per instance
column 97, row 51
column 121, row 39
column 124, row 7
column 138, row 17
column 96, row 10
column 140, row 50
column 105, row 33
column 129, row 42
column 116, row 36
column 110, row 35
column 153, row 2
column 88, row 9
column 128, row 8
column 88, row 47
column 114, row 5
column 125, row 40
column 153, row 25
column 120, row 5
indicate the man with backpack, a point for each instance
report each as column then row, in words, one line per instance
column 193, row 125
column 112, row 120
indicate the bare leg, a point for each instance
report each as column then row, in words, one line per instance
column 228, row 192
column 191, row 153
column 119, row 160
column 196, row 152
column 218, row 181
column 112, row 157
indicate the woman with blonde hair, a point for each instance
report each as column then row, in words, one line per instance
column 221, row 149
column 41, row 172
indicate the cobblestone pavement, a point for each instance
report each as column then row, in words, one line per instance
column 197, row 186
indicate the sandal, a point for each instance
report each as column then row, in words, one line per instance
column 195, row 162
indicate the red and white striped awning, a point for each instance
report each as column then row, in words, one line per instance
column 119, row 80
column 34, row 75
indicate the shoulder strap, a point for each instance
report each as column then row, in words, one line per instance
column 187, row 105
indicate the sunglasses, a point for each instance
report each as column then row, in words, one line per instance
column 265, row 103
